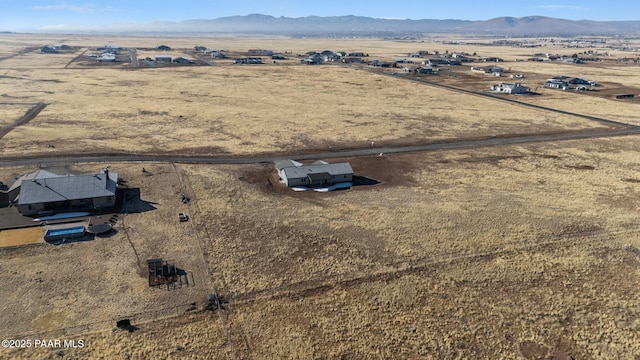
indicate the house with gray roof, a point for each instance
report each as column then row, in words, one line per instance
column 14, row 190
column 318, row 174
column 54, row 194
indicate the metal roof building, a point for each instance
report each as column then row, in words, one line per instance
column 320, row 173
column 67, row 193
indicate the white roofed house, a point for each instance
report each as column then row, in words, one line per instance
column 507, row 88
column 318, row 174
column 67, row 193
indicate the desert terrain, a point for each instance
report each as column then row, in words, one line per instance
column 527, row 251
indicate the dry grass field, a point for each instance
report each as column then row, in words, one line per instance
column 514, row 252
column 508, row 252
column 232, row 109
column 11, row 111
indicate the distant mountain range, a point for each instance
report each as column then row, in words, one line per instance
column 341, row 26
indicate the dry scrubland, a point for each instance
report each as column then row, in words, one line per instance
column 524, row 251
column 231, row 109
column 10, row 112
column 84, row 286
column 509, row 252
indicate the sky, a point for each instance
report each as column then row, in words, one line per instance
column 43, row 15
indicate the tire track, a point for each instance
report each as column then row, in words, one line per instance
column 316, row 287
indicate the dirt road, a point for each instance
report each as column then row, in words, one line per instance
column 28, row 116
column 450, row 145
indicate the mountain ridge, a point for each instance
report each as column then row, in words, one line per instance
column 353, row 25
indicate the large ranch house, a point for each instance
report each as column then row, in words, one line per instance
column 318, row 174
column 48, row 193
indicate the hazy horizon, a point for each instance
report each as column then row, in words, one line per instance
column 43, row 15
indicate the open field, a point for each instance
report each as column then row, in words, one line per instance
column 519, row 251
column 10, row 112
column 524, row 251
column 232, row 109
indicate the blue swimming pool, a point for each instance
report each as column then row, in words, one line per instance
column 68, row 233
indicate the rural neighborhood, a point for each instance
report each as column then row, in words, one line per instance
column 341, row 194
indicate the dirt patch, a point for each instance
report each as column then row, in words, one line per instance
column 532, row 351
column 18, row 237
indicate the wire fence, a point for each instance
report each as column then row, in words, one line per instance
column 136, row 320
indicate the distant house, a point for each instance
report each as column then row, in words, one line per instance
column 557, row 84
column 278, row 57
column 572, row 61
column 318, row 174
column 624, row 96
column 507, row 88
column 163, row 58
column 49, row 49
column 181, row 60
column 425, row 70
column 495, row 70
column 580, row 81
column 436, row 62
column 352, row 60
column 163, row 48
column 52, row 194
column 357, row 54
column 330, row 56
column 107, row 57
column 216, row 54
column 314, row 59
column 248, row 60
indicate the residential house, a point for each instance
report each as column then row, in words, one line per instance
column 507, row 88
column 163, row 58
column 107, row 57
column 14, row 190
column 49, row 49
column 425, row 70
column 318, row 174
column 557, row 84
column 53, row 194
column 182, row 60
